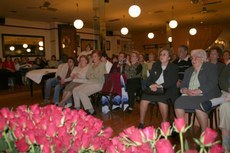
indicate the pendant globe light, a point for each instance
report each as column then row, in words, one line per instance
column 173, row 23
column 170, row 39
column 78, row 23
column 150, row 35
column 192, row 31
column 134, row 11
column 124, row 30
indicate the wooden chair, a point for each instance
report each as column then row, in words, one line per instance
column 212, row 114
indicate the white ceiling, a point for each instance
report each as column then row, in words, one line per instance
column 116, row 9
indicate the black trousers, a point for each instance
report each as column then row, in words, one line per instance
column 133, row 87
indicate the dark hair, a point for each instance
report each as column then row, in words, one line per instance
column 84, row 56
column 104, row 55
column 218, row 50
column 184, row 47
column 98, row 52
column 169, row 52
column 71, row 58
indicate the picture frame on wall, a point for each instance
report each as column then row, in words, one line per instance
column 85, row 42
column 107, row 45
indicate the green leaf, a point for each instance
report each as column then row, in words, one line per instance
column 3, row 144
column 186, row 145
column 197, row 141
column 14, row 150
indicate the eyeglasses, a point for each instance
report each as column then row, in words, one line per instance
column 195, row 57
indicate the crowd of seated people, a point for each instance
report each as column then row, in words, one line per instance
column 15, row 69
column 190, row 82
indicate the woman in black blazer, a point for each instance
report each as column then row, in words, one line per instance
column 163, row 75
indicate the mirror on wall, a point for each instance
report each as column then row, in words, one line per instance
column 23, row 45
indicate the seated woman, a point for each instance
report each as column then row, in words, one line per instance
column 200, row 84
column 95, row 76
column 115, row 81
column 78, row 76
column 163, row 75
column 133, row 70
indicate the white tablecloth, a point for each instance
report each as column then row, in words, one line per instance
column 36, row 75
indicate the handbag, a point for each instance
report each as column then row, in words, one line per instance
column 159, row 91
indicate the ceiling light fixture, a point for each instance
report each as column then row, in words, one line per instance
column 12, row 48
column 170, row 39
column 134, row 11
column 150, row 35
column 173, row 23
column 192, row 31
column 124, row 31
column 78, row 23
column 25, row 45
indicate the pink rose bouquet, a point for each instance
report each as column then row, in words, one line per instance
column 50, row 129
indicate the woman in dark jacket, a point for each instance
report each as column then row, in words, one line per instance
column 200, row 84
column 164, row 76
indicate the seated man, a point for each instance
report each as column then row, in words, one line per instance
column 224, row 83
column 59, row 81
column 225, row 124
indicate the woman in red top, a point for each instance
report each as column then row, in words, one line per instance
column 9, row 66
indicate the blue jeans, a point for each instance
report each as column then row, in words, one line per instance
column 53, row 82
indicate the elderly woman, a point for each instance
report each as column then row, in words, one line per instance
column 95, row 76
column 163, row 76
column 200, row 84
column 78, row 77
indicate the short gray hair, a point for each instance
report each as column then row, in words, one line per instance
column 199, row 53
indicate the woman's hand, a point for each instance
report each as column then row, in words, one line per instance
column 154, row 87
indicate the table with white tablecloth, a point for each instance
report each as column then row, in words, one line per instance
column 40, row 76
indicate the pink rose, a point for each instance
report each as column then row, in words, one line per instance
column 165, row 129
column 164, row 146
column 145, row 148
column 217, row 149
column 5, row 112
column 179, row 124
column 2, row 123
column 18, row 133
column 51, row 129
column 134, row 134
column 35, row 109
column 30, row 136
column 21, row 145
column 208, row 136
column 46, row 148
column 108, row 132
column 149, row 133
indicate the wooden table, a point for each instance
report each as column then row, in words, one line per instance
column 39, row 77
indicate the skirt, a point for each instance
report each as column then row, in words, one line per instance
column 189, row 102
column 155, row 98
